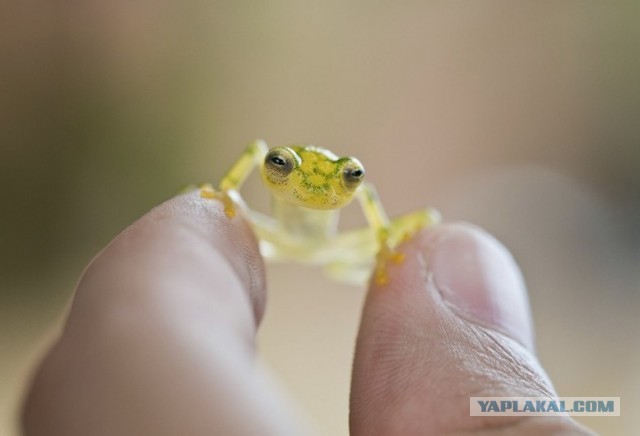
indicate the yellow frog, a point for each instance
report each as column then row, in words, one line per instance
column 309, row 185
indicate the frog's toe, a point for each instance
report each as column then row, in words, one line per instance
column 384, row 258
column 207, row 191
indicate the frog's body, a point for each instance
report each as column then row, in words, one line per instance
column 309, row 186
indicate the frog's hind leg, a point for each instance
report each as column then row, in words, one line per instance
column 235, row 177
column 269, row 234
column 350, row 256
column 347, row 257
column 276, row 244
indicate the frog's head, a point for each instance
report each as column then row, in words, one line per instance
column 311, row 176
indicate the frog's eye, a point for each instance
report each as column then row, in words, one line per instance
column 352, row 173
column 279, row 163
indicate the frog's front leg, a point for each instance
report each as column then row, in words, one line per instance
column 379, row 222
column 390, row 233
column 252, row 156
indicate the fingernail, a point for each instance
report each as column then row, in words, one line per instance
column 477, row 276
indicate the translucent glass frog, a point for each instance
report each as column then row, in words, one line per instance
column 309, row 185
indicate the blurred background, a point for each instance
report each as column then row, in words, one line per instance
column 522, row 117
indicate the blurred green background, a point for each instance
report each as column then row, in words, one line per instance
column 522, row 117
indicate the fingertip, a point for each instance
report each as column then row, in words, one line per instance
column 161, row 334
column 233, row 237
column 452, row 322
column 188, row 242
column 460, row 268
column 478, row 278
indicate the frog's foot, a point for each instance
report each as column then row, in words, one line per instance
column 402, row 230
column 207, row 191
column 387, row 255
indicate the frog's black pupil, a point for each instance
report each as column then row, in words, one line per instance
column 278, row 160
column 356, row 173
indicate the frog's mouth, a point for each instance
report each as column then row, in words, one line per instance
column 311, row 198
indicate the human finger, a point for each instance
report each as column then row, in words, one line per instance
column 160, row 336
column 453, row 322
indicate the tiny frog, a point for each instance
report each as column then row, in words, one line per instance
column 309, row 185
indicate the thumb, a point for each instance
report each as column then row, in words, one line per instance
column 453, row 322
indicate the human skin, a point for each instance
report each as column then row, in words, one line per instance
column 160, row 338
